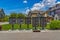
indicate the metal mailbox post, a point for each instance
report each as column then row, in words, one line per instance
column 43, row 22
column 12, row 21
column 28, row 21
column 35, row 22
column 20, row 21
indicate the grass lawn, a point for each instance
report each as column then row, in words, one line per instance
column 17, row 26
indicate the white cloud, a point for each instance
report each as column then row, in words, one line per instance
column 37, row 6
column 58, row 2
column 27, row 11
column 43, row 4
column 50, row 3
column 25, row 1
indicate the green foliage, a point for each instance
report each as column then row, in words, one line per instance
column 6, row 27
column 16, row 26
column 21, row 15
column 6, row 18
column 16, row 15
column 54, row 25
column 13, row 14
column 48, row 26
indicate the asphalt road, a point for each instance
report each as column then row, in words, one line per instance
column 30, row 35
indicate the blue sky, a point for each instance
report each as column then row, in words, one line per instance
column 19, row 5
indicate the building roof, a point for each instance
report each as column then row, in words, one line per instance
column 36, row 11
column 54, row 7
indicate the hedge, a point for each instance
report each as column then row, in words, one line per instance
column 54, row 25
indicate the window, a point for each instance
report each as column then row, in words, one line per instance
column 58, row 6
column 51, row 13
column 57, row 11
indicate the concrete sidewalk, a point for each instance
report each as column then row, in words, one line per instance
column 2, row 23
column 22, row 31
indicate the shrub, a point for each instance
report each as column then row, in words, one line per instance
column 54, row 25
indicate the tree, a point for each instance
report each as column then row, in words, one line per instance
column 55, row 24
column 13, row 14
column 21, row 15
column 6, row 18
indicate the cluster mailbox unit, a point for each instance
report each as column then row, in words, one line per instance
column 35, row 21
column 12, row 21
column 28, row 21
column 43, row 22
column 20, row 21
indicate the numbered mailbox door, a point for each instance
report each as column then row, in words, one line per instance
column 20, row 20
column 12, row 20
column 35, row 21
column 43, row 21
column 28, row 20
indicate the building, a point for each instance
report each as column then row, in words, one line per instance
column 54, row 12
column 2, row 14
column 35, row 13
